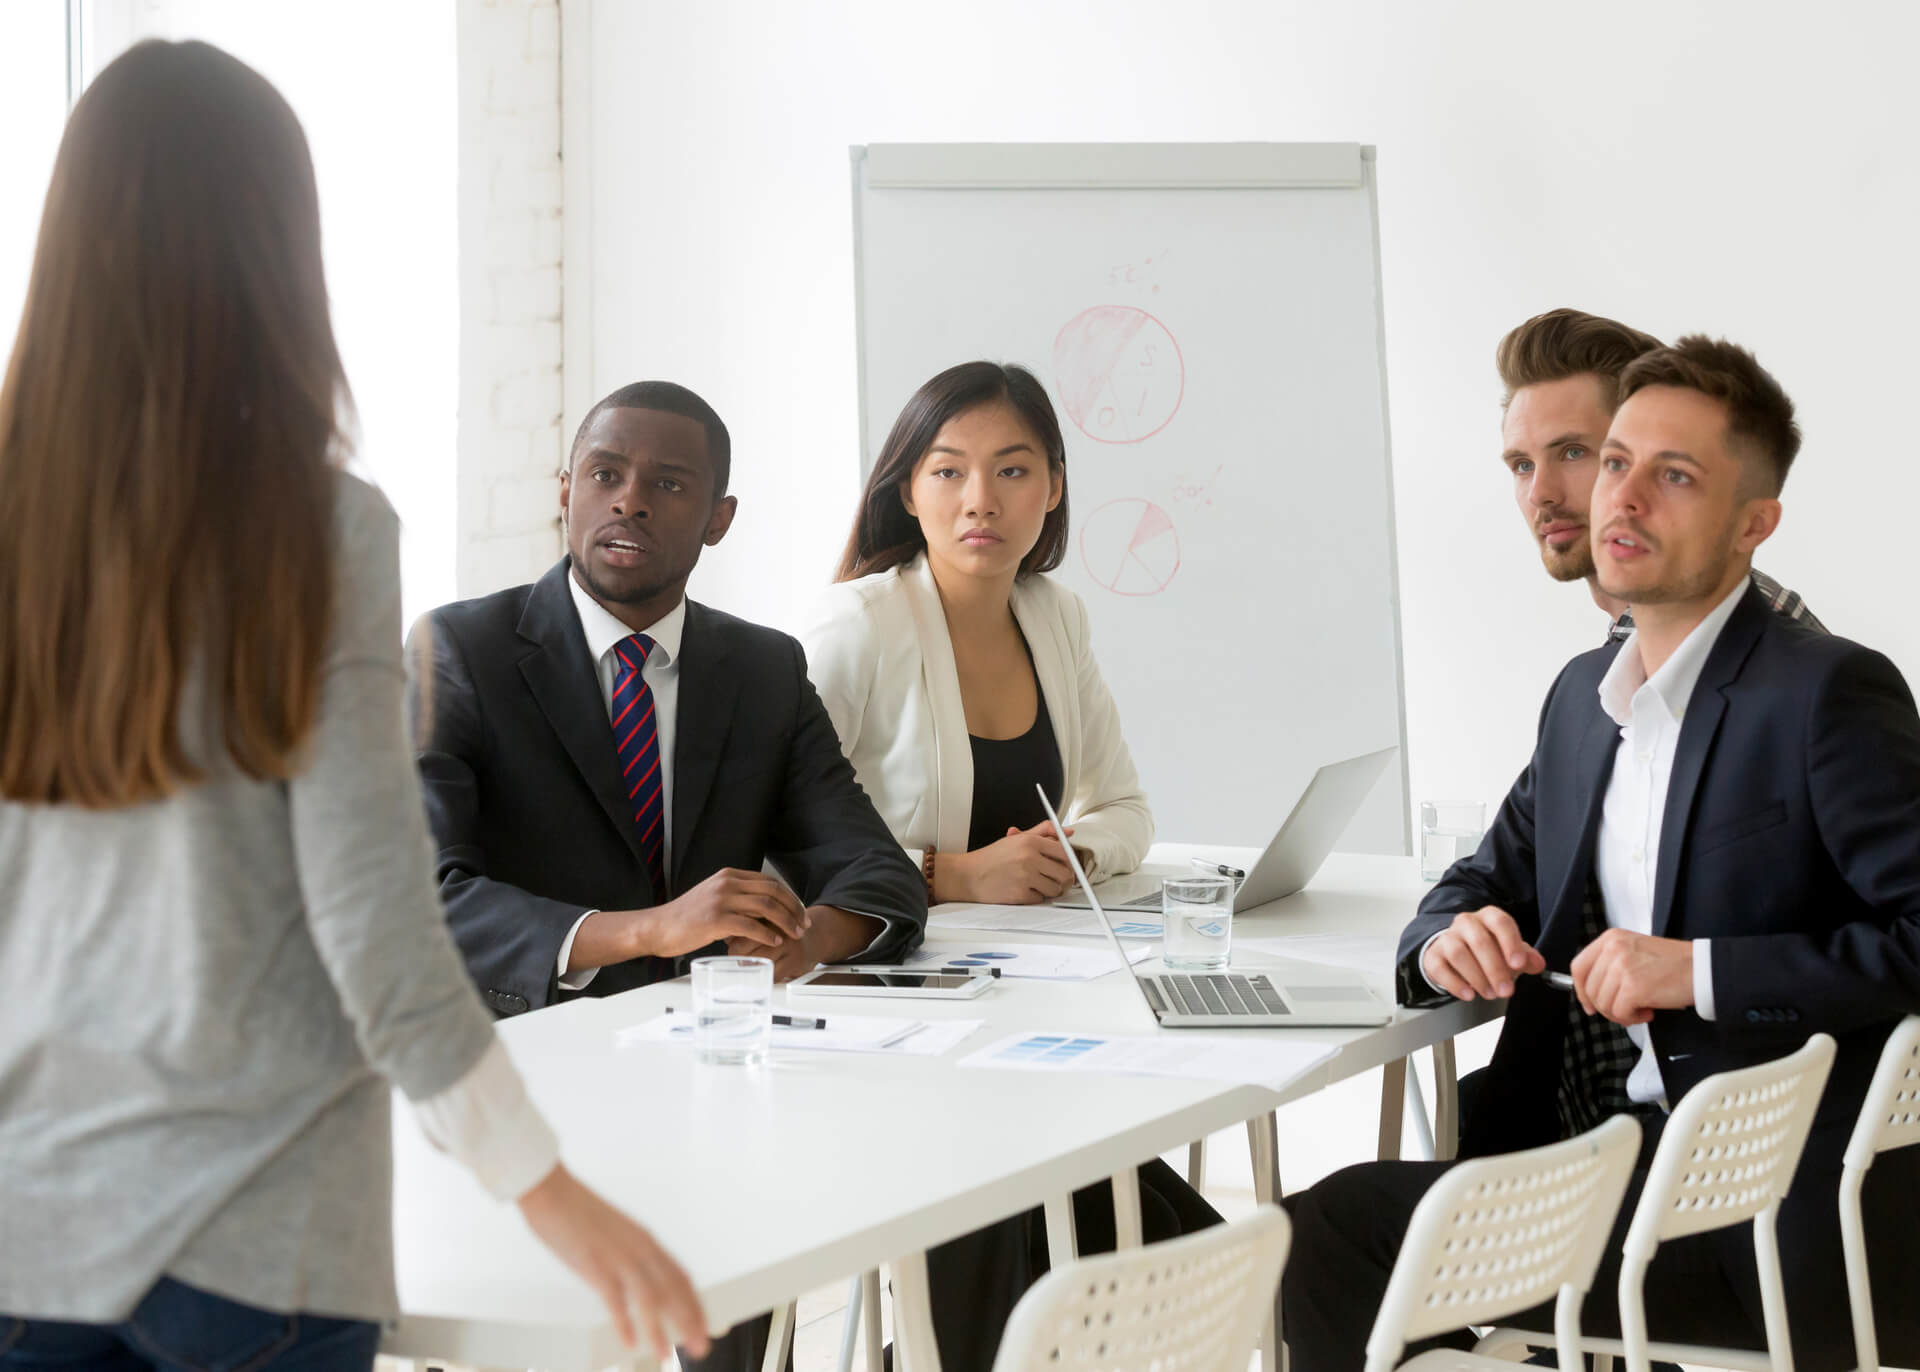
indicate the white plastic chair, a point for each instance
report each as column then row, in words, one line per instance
column 1889, row 1119
column 1192, row 1304
column 1496, row 1236
column 1727, row 1156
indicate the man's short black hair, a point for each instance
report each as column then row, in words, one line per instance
column 669, row 398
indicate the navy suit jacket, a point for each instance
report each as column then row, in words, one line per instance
column 533, row 826
column 1790, row 838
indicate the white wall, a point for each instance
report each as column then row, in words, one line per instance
column 33, row 109
column 1744, row 168
column 510, row 299
column 373, row 84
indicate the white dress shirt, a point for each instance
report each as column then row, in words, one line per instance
column 661, row 672
column 1627, row 848
column 1626, row 855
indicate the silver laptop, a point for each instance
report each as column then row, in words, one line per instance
column 1296, row 995
column 1308, row 834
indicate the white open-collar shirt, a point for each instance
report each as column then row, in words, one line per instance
column 1649, row 711
column 661, row 673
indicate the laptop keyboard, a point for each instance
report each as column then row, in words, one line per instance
column 1222, row 993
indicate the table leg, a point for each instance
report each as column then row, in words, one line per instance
column 1393, row 1095
column 1446, row 1103
column 1063, row 1245
column 850, row 1324
column 1127, row 1228
column 1197, row 1164
column 1263, row 1143
column 1417, row 1116
column 913, row 1315
column 870, row 1316
column 780, row 1338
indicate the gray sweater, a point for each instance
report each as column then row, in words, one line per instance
column 202, row 1001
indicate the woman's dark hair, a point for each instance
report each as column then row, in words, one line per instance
column 884, row 534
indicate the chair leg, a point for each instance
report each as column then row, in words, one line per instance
column 1393, row 1094
column 870, row 1316
column 1446, row 1103
column 780, row 1338
column 1127, row 1228
column 1197, row 1164
column 1853, row 1244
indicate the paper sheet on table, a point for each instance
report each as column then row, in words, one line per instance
column 1276, row 1061
column 844, row 1034
column 1045, row 919
column 1038, row 961
column 1370, row 953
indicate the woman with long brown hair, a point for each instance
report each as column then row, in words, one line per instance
column 959, row 675
column 220, row 940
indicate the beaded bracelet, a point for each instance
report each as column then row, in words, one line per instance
column 926, row 870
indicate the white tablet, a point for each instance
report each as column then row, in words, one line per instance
column 922, row 984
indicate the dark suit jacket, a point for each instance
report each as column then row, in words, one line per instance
column 533, row 828
column 1790, row 838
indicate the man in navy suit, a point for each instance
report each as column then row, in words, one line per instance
column 1718, row 836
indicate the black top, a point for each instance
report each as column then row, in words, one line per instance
column 1004, row 772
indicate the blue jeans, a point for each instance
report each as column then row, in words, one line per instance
column 176, row 1328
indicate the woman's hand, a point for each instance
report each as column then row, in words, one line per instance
column 619, row 1260
column 1024, row 868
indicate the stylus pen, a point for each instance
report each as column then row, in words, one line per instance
column 924, row 969
column 1207, row 865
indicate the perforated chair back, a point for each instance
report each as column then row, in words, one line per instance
column 1192, row 1304
column 1727, row 1155
column 1496, row 1236
column 1889, row 1119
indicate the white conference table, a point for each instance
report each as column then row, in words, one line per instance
column 768, row 1182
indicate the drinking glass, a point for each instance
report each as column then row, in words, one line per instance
column 1199, row 923
column 732, row 1009
column 1449, row 831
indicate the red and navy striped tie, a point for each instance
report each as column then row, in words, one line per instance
column 636, row 734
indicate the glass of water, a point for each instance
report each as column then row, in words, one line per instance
column 732, row 1009
column 1199, row 923
column 1449, row 831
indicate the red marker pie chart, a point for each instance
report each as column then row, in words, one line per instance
column 1130, row 547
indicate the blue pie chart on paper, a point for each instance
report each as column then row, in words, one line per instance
column 966, row 962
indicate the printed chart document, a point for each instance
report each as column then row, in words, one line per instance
column 1040, row 961
column 1045, row 919
column 844, row 1034
column 1275, row 1061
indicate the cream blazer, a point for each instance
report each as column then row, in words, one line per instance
column 879, row 654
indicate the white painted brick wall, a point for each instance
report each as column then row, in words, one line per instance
column 511, row 241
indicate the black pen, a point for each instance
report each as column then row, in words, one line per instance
column 791, row 1021
column 1209, row 866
